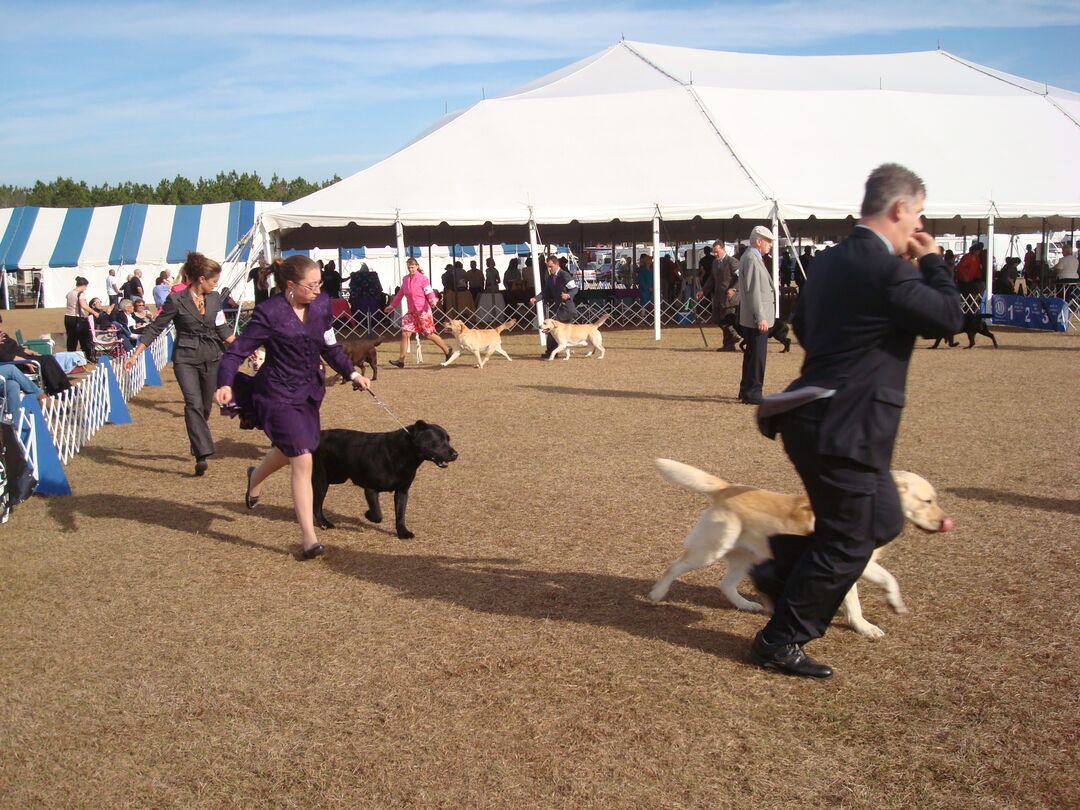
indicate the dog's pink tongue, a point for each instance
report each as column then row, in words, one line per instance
column 946, row 524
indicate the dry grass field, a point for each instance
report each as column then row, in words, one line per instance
column 162, row 647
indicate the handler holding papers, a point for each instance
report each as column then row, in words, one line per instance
column 857, row 318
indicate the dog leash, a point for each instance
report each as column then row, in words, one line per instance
column 393, row 415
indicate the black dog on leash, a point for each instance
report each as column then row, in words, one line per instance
column 974, row 324
column 377, row 462
column 779, row 332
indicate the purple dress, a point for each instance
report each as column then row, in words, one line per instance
column 284, row 397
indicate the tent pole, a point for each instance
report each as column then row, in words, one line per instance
column 656, row 274
column 989, row 262
column 399, row 265
column 1044, row 282
column 535, row 248
column 776, row 256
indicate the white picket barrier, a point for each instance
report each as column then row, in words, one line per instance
column 75, row 415
column 24, row 435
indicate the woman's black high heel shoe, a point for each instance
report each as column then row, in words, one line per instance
column 316, row 550
column 249, row 499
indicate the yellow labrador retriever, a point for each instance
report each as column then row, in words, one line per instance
column 476, row 341
column 738, row 524
column 575, row 334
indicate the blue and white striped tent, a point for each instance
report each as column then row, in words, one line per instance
column 68, row 242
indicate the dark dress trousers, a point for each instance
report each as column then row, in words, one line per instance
column 196, row 353
column 283, row 399
column 552, row 288
column 857, row 319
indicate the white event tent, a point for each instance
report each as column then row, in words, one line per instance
column 696, row 142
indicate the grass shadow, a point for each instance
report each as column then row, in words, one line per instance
column 189, row 517
column 618, row 393
column 502, row 589
column 1065, row 506
column 288, row 515
column 176, row 411
column 122, row 458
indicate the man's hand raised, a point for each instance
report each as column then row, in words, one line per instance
column 922, row 244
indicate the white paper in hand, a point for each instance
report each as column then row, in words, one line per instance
column 329, row 337
column 220, row 319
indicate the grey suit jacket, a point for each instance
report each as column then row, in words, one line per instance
column 757, row 294
column 199, row 337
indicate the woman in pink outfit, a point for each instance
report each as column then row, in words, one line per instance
column 418, row 295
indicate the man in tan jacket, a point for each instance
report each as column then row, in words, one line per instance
column 757, row 313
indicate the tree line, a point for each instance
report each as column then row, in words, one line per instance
column 65, row 192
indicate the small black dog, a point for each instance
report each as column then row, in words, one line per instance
column 974, row 324
column 378, row 462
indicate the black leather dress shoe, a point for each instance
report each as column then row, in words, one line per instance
column 201, row 466
column 787, row 658
column 768, row 584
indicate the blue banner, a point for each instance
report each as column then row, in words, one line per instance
column 1031, row 313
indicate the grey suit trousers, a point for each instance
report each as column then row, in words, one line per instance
column 198, row 381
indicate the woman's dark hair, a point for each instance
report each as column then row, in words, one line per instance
column 197, row 266
column 290, row 269
column 164, row 274
column 81, row 282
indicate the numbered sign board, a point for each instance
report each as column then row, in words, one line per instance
column 1031, row 313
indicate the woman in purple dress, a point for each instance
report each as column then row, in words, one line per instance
column 283, row 399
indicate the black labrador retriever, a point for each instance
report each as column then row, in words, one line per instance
column 974, row 324
column 377, row 462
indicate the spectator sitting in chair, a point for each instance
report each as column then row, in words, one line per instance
column 99, row 313
column 16, row 383
column 140, row 314
column 124, row 321
column 52, row 376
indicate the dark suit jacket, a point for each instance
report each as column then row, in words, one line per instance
column 553, row 288
column 857, row 319
column 199, row 338
column 292, row 372
column 720, row 277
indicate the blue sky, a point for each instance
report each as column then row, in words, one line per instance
column 113, row 91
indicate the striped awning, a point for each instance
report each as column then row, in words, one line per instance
column 123, row 235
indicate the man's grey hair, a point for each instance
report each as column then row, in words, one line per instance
column 886, row 184
column 125, row 303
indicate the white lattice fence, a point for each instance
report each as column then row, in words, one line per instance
column 622, row 313
column 75, row 415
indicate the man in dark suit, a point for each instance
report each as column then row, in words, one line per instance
column 721, row 278
column 858, row 316
column 558, row 292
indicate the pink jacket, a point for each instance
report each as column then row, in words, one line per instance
column 417, row 292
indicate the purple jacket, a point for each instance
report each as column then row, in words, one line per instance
column 292, row 372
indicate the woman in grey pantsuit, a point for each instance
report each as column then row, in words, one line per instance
column 201, row 334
